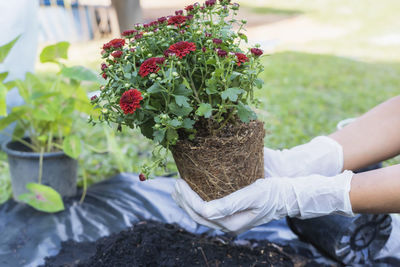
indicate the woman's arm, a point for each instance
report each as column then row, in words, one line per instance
column 373, row 137
column 376, row 191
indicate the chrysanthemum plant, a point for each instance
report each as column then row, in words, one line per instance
column 175, row 75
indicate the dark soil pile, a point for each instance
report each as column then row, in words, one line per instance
column 156, row 244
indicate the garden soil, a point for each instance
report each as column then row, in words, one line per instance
column 150, row 243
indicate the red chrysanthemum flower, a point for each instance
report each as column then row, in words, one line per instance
column 217, row 41
column 128, row 32
column 130, row 101
column 179, row 12
column 181, row 49
column 207, row 34
column 104, row 76
column 153, row 23
column 177, row 20
column 189, row 8
column 117, row 54
column 210, row 3
column 115, row 43
column 222, row 53
column 103, row 66
column 138, row 36
column 162, row 19
column 257, row 52
column 151, row 65
column 241, row 58
column 93, row 98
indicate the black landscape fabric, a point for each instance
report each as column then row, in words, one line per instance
column 114, row 205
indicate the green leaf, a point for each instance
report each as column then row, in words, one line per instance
column 3, row 103
column 218, row 72
column 211, row 90
column 46, row 111
column 19, row 131
column 182, row 101
column 182, row 90
column 5, row 49
column 188, row 123
column 175, row 123
column 235, row 74
column 159, row 135
column 231, row 93
column 72, row 146
column 16, row 113
column 211, row 61
column 245, row 113
column 172, row 135
column 179, row 111
column 155, row 88
column 54, row 52
column 186, row 83
column 259, row 83
column 80, row 73
column 43, row 198
column 243, row 37
column 205, row 110
column 3, row 76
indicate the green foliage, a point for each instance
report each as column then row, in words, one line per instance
column 80, row 73
column 72, row 146
column 5, row 184
column 50, row 107
column 53, row 53
column 5, row 49
column 42, row 198
column 207, row 77
column 48, row 115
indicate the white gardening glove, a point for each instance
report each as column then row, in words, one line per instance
column 322, row 155
column 269, row 199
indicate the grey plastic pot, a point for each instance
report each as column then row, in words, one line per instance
column 59, row 171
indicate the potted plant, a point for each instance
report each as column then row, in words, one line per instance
column 186, row 82
column 43, row 164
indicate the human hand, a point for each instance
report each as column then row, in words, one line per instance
column 322, row 155
column 269, row 199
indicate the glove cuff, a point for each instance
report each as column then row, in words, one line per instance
column 317, row 195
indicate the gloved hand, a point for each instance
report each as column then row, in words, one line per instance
column 322, row 155
column 269, row 199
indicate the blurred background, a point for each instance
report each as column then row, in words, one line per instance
column 326, row 61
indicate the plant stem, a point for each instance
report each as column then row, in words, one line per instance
column 84, row 187
column 41, row 165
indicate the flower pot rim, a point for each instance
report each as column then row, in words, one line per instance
column 26, row 154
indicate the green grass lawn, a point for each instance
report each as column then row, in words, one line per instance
column 307, row 94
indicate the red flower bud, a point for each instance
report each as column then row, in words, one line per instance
column 257, row 52
column 117, row 54
column 142, row 177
